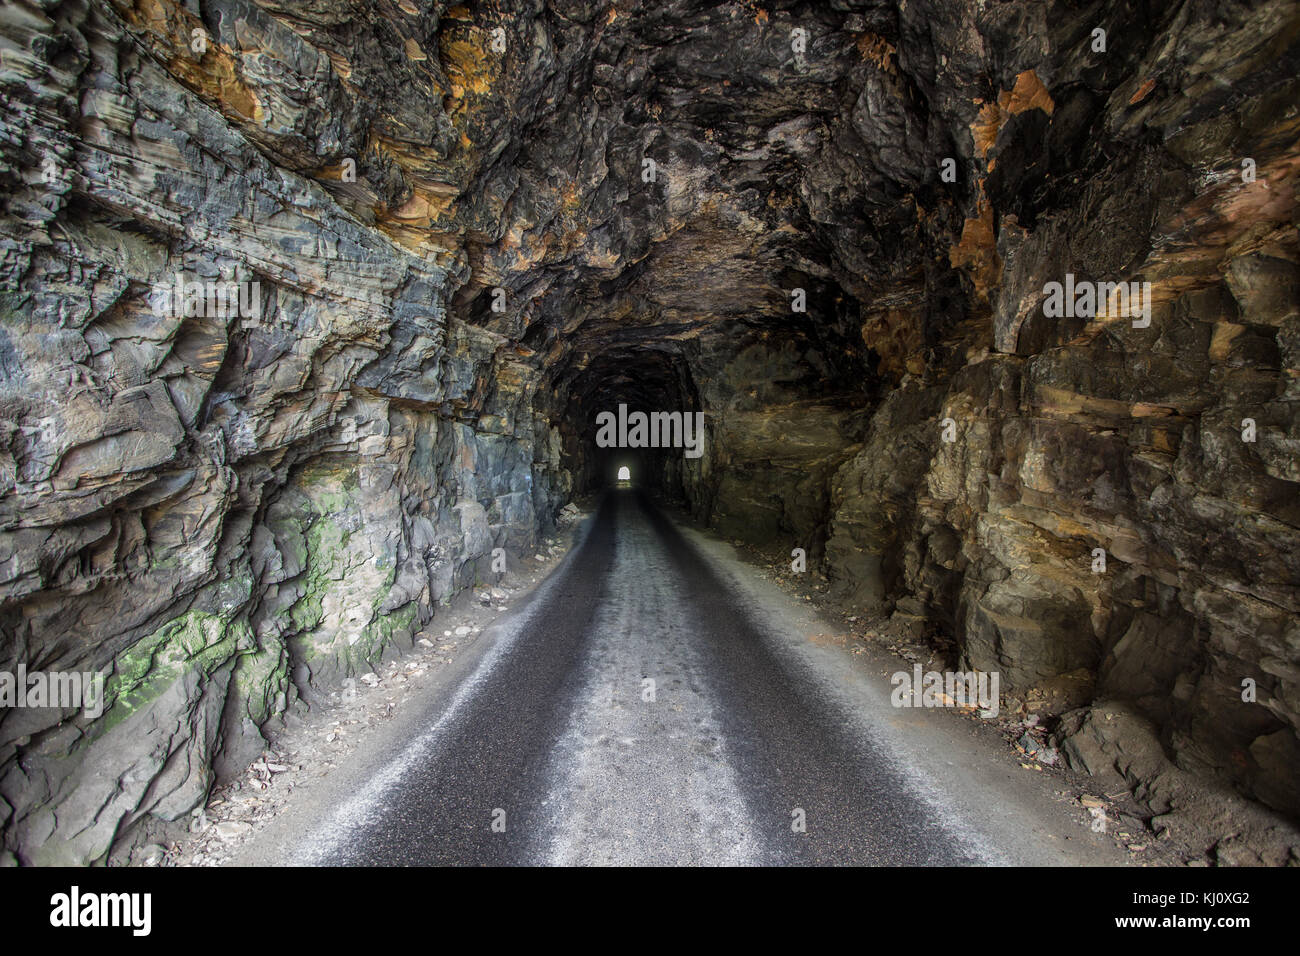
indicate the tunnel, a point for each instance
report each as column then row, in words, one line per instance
column 973, row 325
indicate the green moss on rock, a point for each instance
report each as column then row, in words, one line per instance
column 261, row 683
column 196, row 640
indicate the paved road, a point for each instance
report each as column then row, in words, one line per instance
column 560, row 740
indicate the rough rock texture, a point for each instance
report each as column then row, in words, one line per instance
column 560, row 206
column 223, row 514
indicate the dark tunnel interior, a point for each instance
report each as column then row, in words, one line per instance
column 989, row 309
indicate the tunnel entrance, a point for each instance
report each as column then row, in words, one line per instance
column 625, row 474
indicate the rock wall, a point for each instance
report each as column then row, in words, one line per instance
column 1173, row 448
column 1133, row 445
column 224, row 513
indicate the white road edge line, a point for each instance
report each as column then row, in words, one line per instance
column 363, row 809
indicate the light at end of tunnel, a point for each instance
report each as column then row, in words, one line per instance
column 625, row 474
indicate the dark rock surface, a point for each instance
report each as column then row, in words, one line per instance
column 231, row 513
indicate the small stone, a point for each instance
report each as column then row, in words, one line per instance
column 232, row 829
column 150, row 855
column 463, row 631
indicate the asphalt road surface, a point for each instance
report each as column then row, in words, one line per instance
column 638, row 710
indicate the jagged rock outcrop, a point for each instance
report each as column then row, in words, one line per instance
column 455, row 233
column 223, row 512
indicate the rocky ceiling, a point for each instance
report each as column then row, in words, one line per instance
column 796, row 146
column 473, row 227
